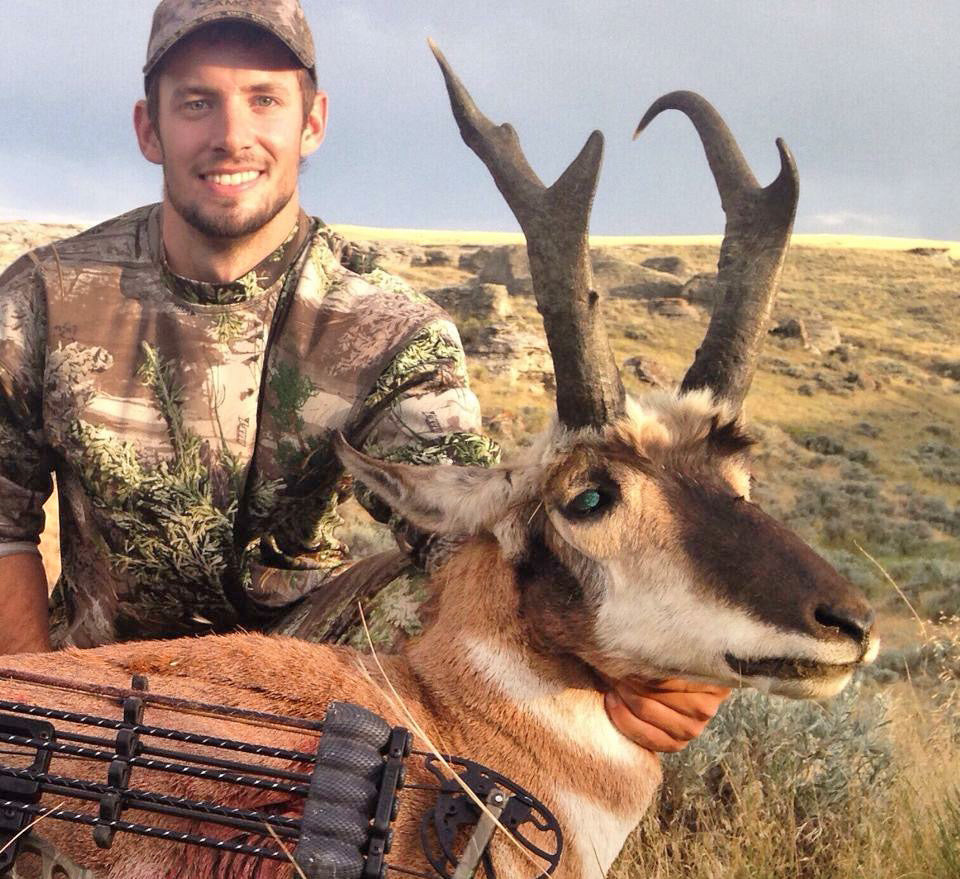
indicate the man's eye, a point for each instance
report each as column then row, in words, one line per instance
column 196, row 106
column 265, row 101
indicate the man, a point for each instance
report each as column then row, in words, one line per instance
column 182, row 366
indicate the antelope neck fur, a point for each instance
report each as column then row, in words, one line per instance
column 474, row 674
column 537, row 718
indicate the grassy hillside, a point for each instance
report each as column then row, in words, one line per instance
column 859, row 441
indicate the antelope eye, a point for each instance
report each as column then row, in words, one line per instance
column 593, row 500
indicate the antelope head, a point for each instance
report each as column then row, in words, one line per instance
column 629, row 524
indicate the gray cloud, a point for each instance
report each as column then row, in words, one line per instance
column 866, row 94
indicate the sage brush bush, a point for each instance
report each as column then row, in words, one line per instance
column 864, row 786
column 799, row 770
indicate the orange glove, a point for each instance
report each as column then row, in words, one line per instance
column 663, row 715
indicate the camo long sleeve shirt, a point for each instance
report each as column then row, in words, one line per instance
column 188, row 424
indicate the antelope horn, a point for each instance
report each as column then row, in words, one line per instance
column 554, row 221
column 754, row 246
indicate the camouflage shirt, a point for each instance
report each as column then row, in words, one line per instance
column 188, row 424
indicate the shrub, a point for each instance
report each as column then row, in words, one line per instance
column 933, row 664
column 939, row 430
column 939, row 461
column 939, row 473
column 924, row 573
column 890, row 367
column 945, row 604
column 861, row 456
column 947, row 368
column 827, row 445
column 823, row 444
column 859, row 489
column 856, row 472
column 798, row 772
column 864, row 786
column 936, row 511
column 856, row 568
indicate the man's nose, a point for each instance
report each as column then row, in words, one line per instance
column 233, row 132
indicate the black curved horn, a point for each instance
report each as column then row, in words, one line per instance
column 759, row 222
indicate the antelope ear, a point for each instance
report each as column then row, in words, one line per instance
column 443, row 498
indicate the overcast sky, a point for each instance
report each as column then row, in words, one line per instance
column 867, row 94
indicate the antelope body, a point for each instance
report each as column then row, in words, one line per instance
column 622, row 543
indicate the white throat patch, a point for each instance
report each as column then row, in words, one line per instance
column 600, row 834
column 575, row 717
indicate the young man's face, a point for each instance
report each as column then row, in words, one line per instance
column 230, row 134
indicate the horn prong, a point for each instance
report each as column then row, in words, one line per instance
column 555, row 224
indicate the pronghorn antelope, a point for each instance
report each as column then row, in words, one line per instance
column 623, row 542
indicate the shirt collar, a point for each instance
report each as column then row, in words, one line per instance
column 259, row 279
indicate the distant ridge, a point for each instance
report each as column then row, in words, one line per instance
column 459, row 237
column 452, row 237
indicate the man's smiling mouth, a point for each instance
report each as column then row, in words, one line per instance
column 235, row 179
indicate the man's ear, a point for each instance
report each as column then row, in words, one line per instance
column 315, row 127
column 442, row 498
column 148, row 138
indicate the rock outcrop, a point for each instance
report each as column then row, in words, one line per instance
column 649, row 372
column 672, row 265
column 507, row 265
column 703, row 289
column 487, row 303
column 16, row 238
column 621, row 278
column 814, row 333
column 674, row 307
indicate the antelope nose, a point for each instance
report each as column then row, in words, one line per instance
column 855, row 623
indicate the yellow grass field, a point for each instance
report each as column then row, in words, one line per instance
column 460, row 238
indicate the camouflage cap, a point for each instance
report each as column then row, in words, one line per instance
column 174, row 19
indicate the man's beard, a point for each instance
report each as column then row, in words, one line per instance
column 224, row 225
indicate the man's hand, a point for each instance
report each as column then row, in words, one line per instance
column 663, row 715
column 24, row 626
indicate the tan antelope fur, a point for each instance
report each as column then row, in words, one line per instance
column 622, row 543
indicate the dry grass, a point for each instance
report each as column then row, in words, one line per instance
column 866, row 786
column 458, row 238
